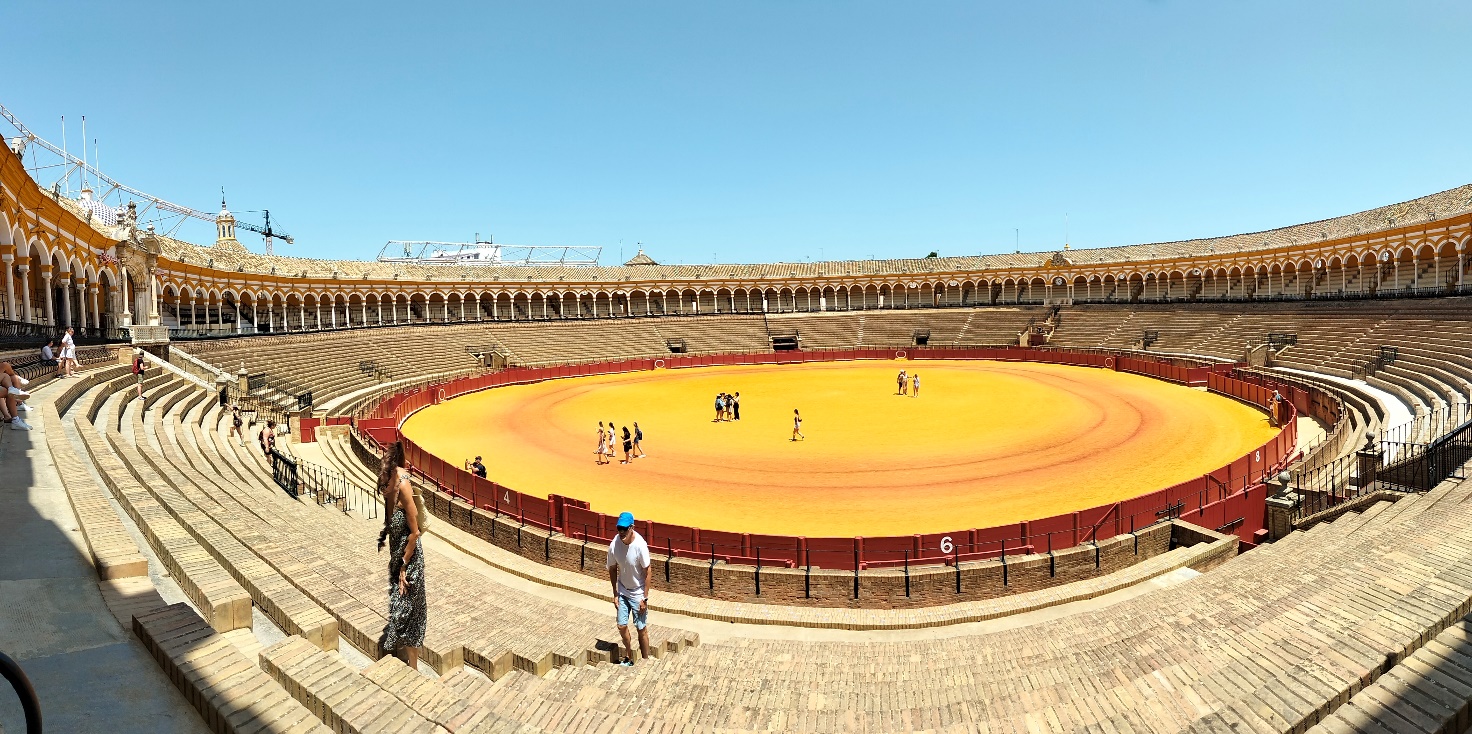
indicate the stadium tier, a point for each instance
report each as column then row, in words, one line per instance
column 1332, row 599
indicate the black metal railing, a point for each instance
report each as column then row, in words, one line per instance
column 1412, row 457
column 305, row 480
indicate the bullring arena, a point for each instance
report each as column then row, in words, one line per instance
column 1191, row 486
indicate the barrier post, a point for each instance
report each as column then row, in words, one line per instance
column 758, row 569
column 1004, row 561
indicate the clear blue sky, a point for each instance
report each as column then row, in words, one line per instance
column 758, row 131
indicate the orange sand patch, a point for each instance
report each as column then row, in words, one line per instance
column 986, row 443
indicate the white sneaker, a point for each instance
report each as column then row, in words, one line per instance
column 16, row 424
column 25, row 407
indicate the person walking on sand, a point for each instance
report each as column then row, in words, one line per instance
column 638, row 439
column 902, row 383
column 736, row 406
column 915, row 381
column 598, row 453
column 612, row 442
column 719, row 407
column 797, row 426
column 628, row 445
column 628, row 572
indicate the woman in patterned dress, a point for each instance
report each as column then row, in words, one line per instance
column 406, row 601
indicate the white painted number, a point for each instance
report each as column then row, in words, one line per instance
column 946, row 546
column 1258, row 456
column 506, row 498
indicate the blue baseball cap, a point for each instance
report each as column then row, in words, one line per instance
column 626, row 520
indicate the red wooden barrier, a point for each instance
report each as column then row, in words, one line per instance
column 1228, row 497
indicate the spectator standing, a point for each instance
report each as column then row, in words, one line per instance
column 477, row 468
column 68, row 353
column 797, row 426
column 638, row 438
column 237, row 424
column 736, row 406
column 628, row 445
column 915, row 381
column 407, row 607
column 628, row 572
column 139, row 367
column 599, row 453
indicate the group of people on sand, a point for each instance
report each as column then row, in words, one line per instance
column 904, row 381
column 608, row 443
column 728, row 407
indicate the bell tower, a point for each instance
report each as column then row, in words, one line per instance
column 225, row 225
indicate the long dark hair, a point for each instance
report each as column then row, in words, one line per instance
column 393, row 458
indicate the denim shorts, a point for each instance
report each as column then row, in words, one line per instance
column 629, row 607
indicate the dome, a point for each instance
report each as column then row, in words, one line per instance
column 641, row 259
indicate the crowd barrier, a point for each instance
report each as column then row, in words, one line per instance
column 1229, row 499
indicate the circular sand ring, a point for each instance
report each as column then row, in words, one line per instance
column 1109, row 362
column 900, row 354
column 658, row 364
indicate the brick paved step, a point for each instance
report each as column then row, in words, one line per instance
column 171, row 487
column 347, row 555
column 1429, row 691
column 232, row 694
column 1251, row 666
column 346, row 701
column 222, row 601
column 109, row 546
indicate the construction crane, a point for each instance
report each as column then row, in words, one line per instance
column 168, row 216
column 266, row 231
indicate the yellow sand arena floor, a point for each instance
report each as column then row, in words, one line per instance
column 985, row 443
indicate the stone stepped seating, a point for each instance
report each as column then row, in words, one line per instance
column 897, row 328
column 536, row 343
column 343, row 699
column 1229, row 646
column 228, row 689
column 223, row 603
column 109, row 546
column 715, row 334
column 1429, row 691
column 332, row 559
column 232, row 534
column 821, row 331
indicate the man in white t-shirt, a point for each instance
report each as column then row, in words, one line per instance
column 628, row 571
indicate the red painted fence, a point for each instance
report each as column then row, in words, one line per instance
column 1229, row 498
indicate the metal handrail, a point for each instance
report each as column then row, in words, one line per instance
column 30, row 704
